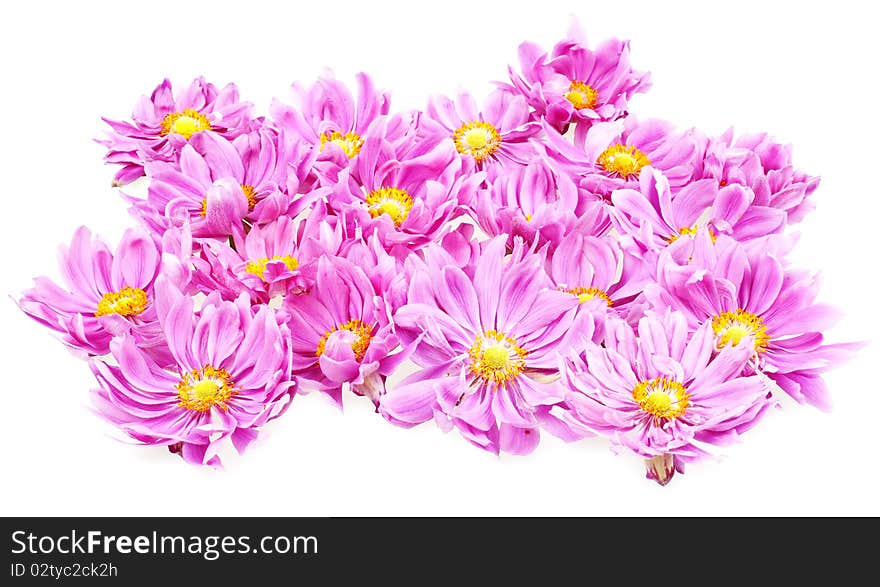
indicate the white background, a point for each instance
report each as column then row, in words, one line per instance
column 805, row 72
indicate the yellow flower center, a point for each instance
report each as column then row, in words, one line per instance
column 392, row 201
column 249, row 193
column 364, row 334
column 496, row 357
column 581, row 95
column 349, row 142
column 128, row 301
column 662, row 397
column 185, row 124
column 585, row 294
column 732, row 327
column 477, row 138
column 623, row 160
column 201, row 389
column 258, row 267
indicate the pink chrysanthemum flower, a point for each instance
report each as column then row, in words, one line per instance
column 405, row 201
column 536, row 201
column 341, row 332
column 385, row 270
column 230, row 375
column 611, row 155
column 105, row 294
column 328, row 117
column 487, row 345
column 273, row 258
column 655, row 217
column 765, row 168
column 500, row 132
column 661, row 393
column 577, row 84
column 253, row 160
column 162, row 123
column 597, row 271
column 749, row 294
column 214, row 208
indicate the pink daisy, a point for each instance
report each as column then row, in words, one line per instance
column 329, row 118
column 597, row 271
column 341, row 332
column 611, row 155
column 252, row 159
column 750, row 295
column 162, row 123
column 274, row 258
column 661, row 393
column 499, row 132
column 214, row 208
column 104, row 294
column 230, row 375
column 654, row 217
column 536, row 201
column 406, row 200
column 764, row 167
column 486, row 345
column 576, row 84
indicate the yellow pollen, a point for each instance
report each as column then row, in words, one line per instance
column 364, row 334
column 585, row 294
column 496, row 357
column 662, row 397
column 690, row 231
column 624, row 160
column 687, row 230
column 201, row 389
column 205, row 390
column 732, row 327
column 658, row 402
column 258, row 267
column 128, row 301
column 185, row 124
column 581, row 95
column 392, row 201
column 350, row 142
column 477, row 138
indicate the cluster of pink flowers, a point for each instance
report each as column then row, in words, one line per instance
column 545, row 262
